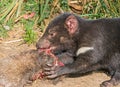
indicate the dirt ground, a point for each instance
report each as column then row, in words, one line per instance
column 10, row 46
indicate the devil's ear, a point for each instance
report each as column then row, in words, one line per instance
column 71, row 24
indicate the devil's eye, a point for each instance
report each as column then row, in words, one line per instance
column 52, row 34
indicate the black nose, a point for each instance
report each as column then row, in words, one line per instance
column 43, row 43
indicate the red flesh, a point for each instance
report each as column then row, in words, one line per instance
column 40, row 74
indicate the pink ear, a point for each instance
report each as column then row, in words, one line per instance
column 71, row 24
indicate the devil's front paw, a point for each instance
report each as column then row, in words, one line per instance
column 52, row 71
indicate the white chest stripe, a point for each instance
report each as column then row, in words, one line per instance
column 83, row 50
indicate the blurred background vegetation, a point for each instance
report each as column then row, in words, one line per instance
column 35, row 15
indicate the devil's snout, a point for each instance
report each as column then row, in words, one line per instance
column 43, row 43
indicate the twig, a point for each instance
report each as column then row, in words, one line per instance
column 55, row 4
column 12, row 11
column 60, row 9
column 13, row 41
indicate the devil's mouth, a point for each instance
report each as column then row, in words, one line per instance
column 52, row 49
column 40, row 50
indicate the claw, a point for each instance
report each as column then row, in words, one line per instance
column 46, row 69
column 50, row 65
column 49, row 73
column 49, row 68
column 52, row 76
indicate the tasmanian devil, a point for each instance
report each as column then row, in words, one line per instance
column 94, row 44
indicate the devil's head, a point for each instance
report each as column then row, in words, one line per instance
column 59, row 34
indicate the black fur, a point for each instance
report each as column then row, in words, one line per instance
column 102, row 34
